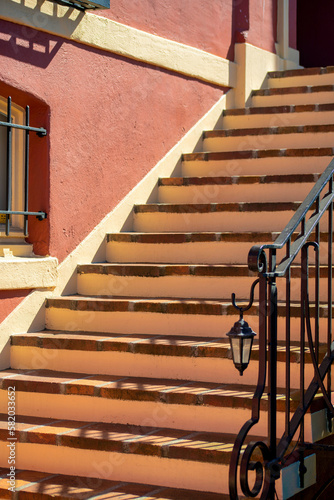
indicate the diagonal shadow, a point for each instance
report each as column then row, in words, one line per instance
column 33, row 44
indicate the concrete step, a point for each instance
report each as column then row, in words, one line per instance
column 253, row 162
column 182, row 281
column 45, row 486
column 213, row 216
column 240, row 188
column 183, row 248
column 275, row 137
column 145, row 402
column 162, row 280
column 282, row 96
column 200, row 318
column 132, row 355
column 300, row 77
column 190, row 248
column 171, row 458
column 192, row 406
column 279, row 116
column 162, row 456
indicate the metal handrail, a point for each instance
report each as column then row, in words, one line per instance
column 285, row 236
column 273, row 453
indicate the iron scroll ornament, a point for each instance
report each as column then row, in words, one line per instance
column 306, row 303
column 263, row 472
column 267, row 471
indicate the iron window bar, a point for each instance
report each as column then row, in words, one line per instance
column 263, row 260
column 41, row 132
column 84, row 4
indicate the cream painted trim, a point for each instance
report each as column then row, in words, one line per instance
column 294, row 56
column 283, row 28
column 19, row 273
column 30, row 314
column 253, row 65
column 288, row 54
column 105, row 34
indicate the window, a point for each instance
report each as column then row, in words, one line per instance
column 21, row 266
column 17, row 184
column 14, row 168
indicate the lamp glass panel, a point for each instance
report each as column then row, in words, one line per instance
column 247, row 350
column 236, row 350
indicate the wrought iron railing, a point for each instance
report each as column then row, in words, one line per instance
column 41, row 132
column 310, row 227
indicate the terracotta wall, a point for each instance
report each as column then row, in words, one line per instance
column 293, row 24
column 9, row 300
column 256, row 23
column 263, row 24
column 211, row 26
column 110, row 121
column 202, row 24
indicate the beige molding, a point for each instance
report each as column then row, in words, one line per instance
column 105, row 34
column 19, row 273
column 253, row 64
column 283, row 28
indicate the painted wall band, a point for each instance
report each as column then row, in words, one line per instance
column 105, row 34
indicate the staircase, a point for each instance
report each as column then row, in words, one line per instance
column 130, row 392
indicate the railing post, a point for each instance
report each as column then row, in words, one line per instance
column 272, row 376
column 330, row 298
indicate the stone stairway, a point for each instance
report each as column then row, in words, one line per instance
column 130, row 392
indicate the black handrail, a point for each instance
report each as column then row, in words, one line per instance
column 41, row 132
column 262, row 259
column 300, row 215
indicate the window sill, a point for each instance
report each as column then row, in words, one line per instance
column 18, row 273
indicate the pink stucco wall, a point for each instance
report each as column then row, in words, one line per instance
column 293, row 24
column 199, row 23
column 256, row 23
column 9, row 300
column 110, row 121
column 263, row 24
column 211, row 26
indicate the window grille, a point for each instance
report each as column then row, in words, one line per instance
column 5, row 215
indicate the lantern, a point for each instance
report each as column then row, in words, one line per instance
column 241, row 338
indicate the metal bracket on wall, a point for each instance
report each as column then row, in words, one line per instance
column 84, row 4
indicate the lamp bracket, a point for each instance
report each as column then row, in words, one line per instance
column 251, row 300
